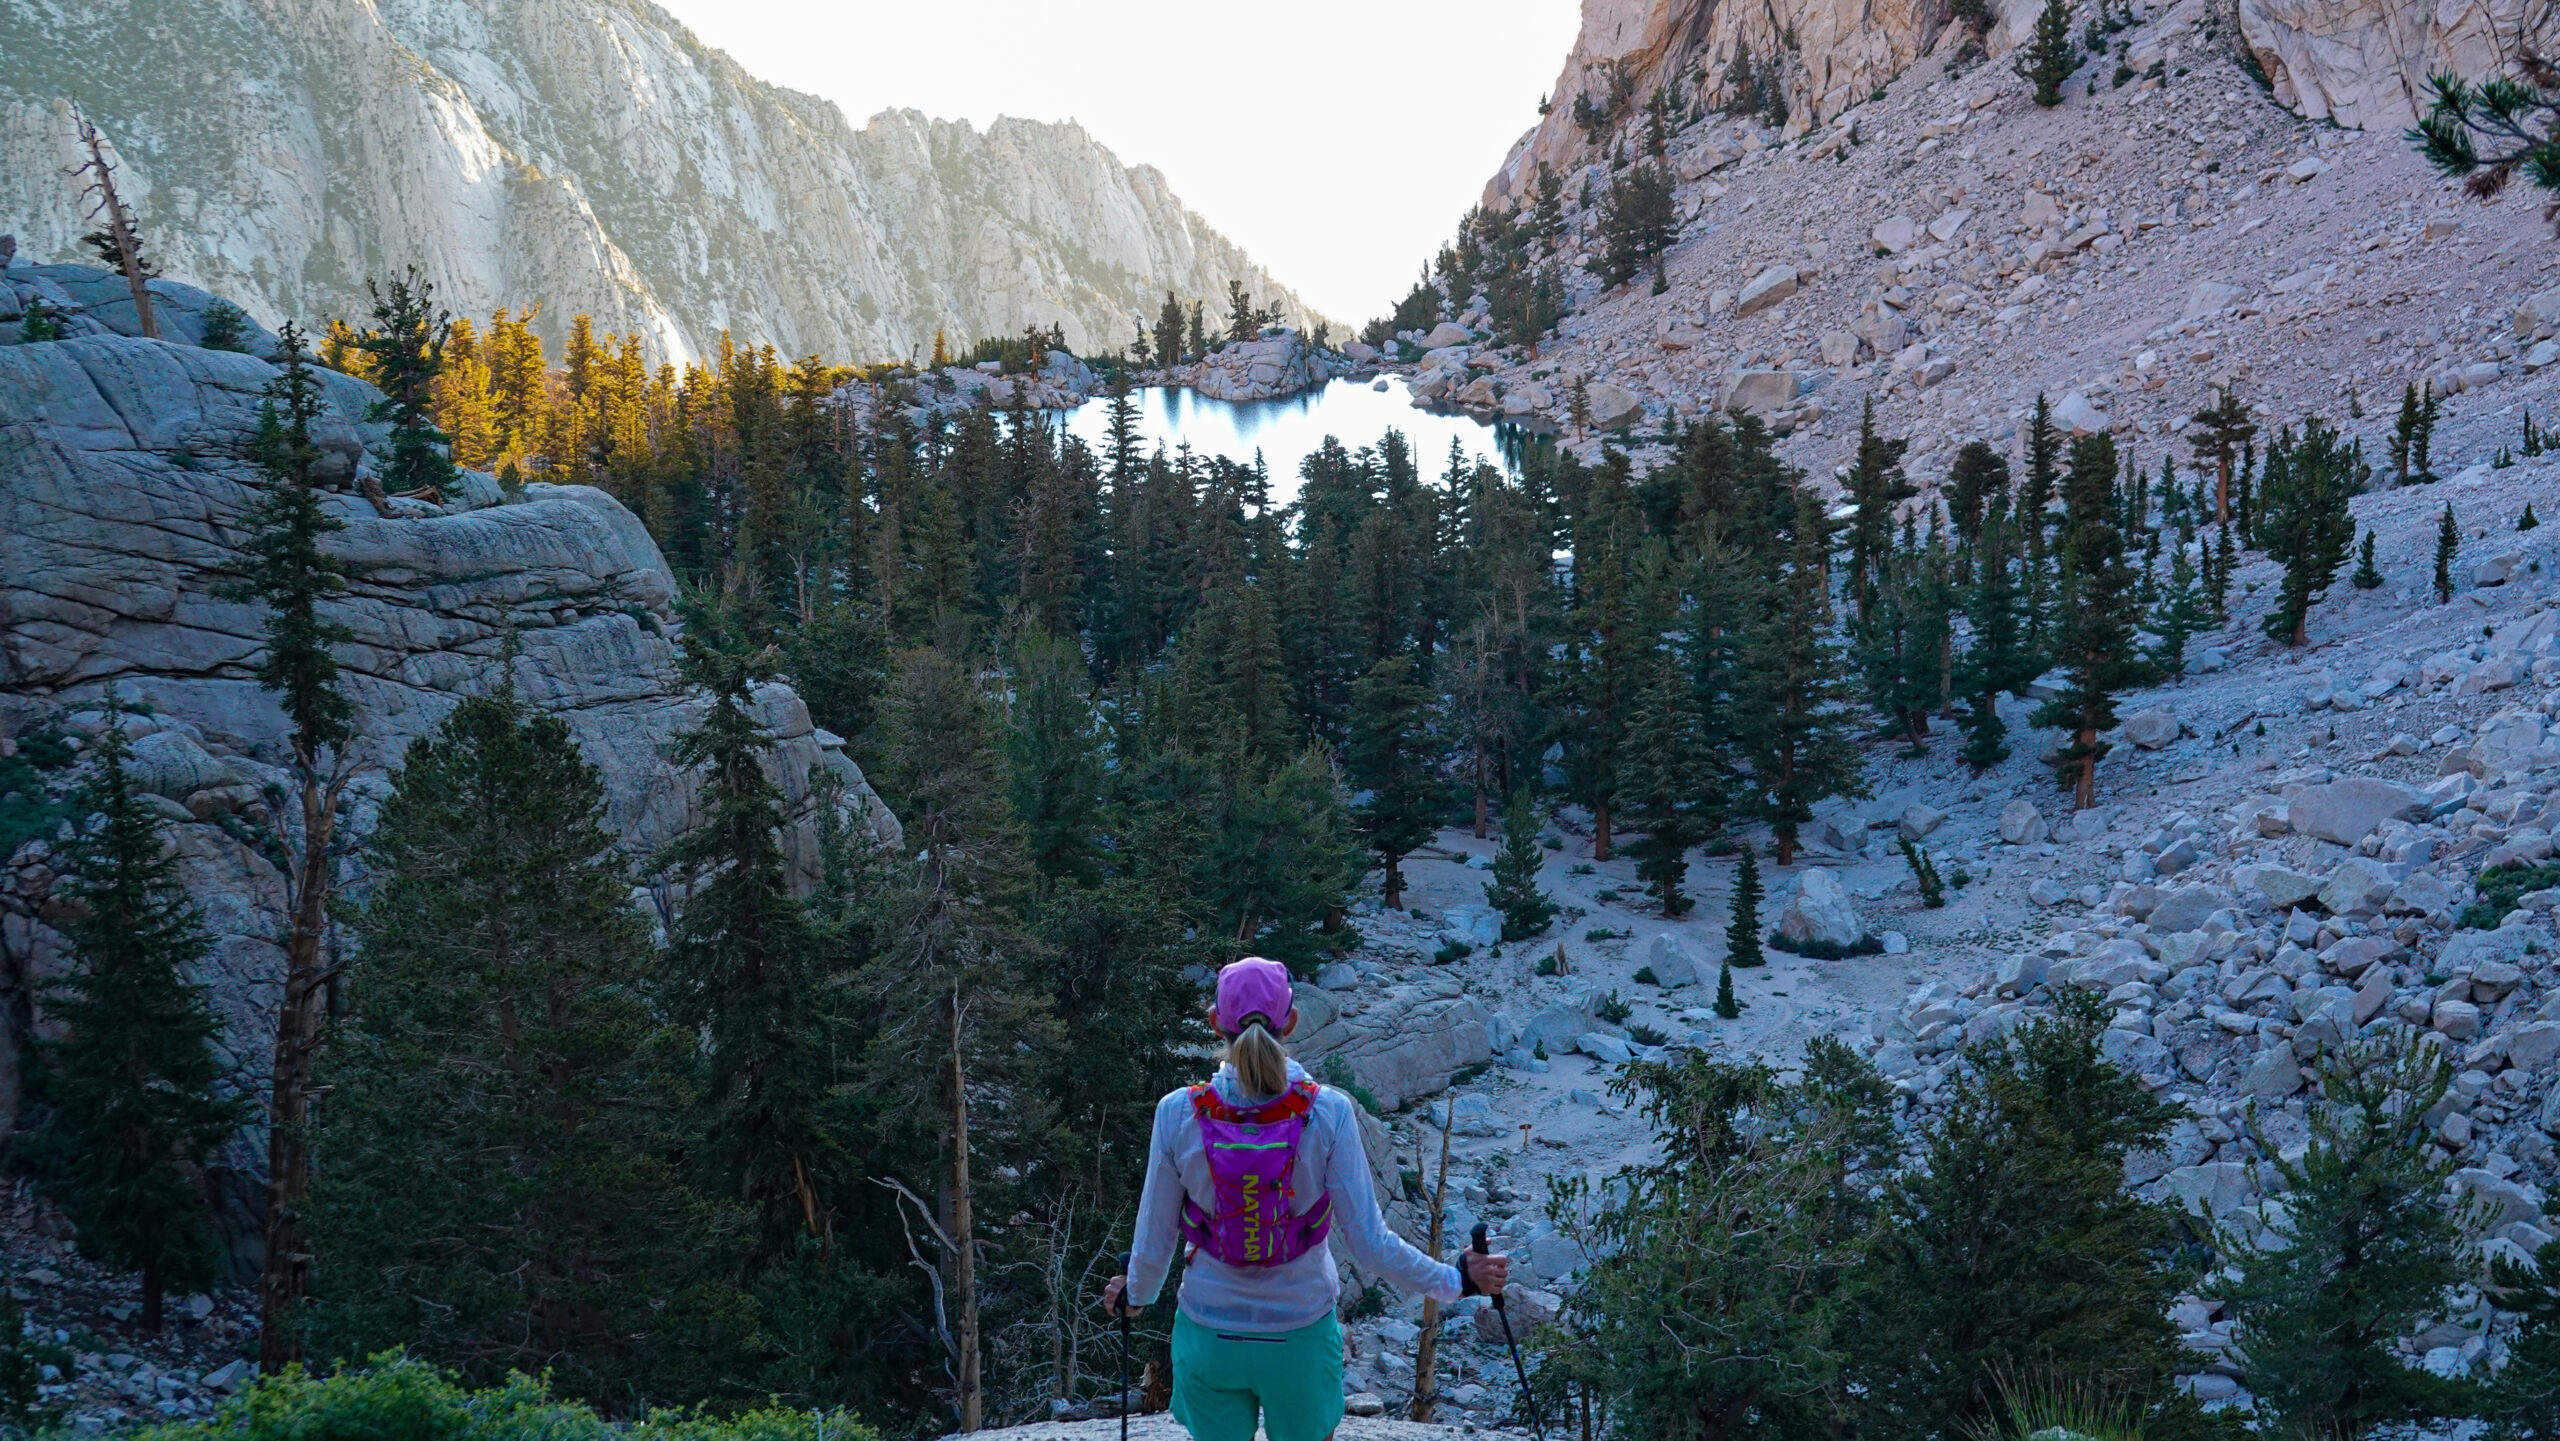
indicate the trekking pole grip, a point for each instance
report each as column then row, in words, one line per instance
column 1476, row 1243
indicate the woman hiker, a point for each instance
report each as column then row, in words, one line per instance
column 1254, row 1169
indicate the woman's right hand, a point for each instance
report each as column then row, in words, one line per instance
column 1111, row 1294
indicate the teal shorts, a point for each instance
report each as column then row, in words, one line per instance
column 1291, row 1381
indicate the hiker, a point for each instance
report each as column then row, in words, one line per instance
column 1254, row 1170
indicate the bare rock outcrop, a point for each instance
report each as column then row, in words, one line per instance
column 123, row 488
column 2365, row 63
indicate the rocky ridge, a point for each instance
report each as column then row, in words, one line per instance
column 1949, row 250
column 587, row 155
column 123, row 482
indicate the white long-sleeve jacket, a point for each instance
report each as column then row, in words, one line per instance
column 1270, row 1298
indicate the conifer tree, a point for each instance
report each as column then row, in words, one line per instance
column 504, row 1106
column 2404, row 434
column 2044, row 443
column 1242, row 323
column 2218, row 432
column 746, row 970
column 1054, row 746
column 1796, row 729
column 2218, row 579
column 2364, row 1251
column 1726, row 1005
column 1394, row 755
column 2013, row 1240
column 289, row 573
column 1169, row 350
column 1976, row 483
column 2448, row 545
column 1742, row 928
column 404, row 354
column 1526, row 910
column 1638, row 222
column 1876, row 485
column 2049, row 58
column 135, row 1104
column 2303, row 520
column 2093, row 637
column 2183, row 612
column 2527, row 521
column 1663, row 785
column 2366, row 576
column 2422, row 438
column 1999, row 658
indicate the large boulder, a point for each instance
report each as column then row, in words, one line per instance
column 1613, row 407
column 1671, row 962
column 2346, row 810
column 1399, row 1042
column 1766, row 289
column 1277, row 363
column 1761, row 391
column 1820, row 912
column 2021, row 824
column 2152, row 728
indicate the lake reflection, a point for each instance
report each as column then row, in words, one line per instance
column 1286, row 431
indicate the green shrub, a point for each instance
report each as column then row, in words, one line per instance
column 1603, row 933
column 1646, row 1035
column 395, row 1398
column 1336, row 1072
column 1825, row 950
column 1451, row 951
column 1613, row 1010
column 1547, row 966
column 1646, row 977
column 2499, row 890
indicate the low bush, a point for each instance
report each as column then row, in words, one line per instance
column 1819, row 950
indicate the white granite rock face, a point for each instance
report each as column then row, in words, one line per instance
column 1398, row 1041
column 589, row 155
column 122, row 492
column 2365, row 63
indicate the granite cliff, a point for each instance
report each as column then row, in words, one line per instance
column 590, row 155
column 123, row 484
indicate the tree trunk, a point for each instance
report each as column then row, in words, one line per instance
column 285, row 1276
column 1391, row 889
column 2222, row 491
column 964, row 1267
column 152, row 1287
column 1426, row 1350
column 2084, row 793
column 1600, row 831
column 1785, row 842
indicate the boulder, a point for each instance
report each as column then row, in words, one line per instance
column 2075, row 415
column 2346, row 810
column 1919, row 819
column 1604, row 1048
column 2187, row 908
column 2497, row 569
column 1894, row 236
column 1400, row 1041
column 1447, row 334
column 1613, row 407
column 2284, row 889
column 1766, row 289
column 1672, row 964
column 2152, row 728
column 1946, row 225
column 2209, row 298
column 2021, row 824
column 1820, row 911
column 1759, row 391
column 1558, row 1025
column 2272, row 1075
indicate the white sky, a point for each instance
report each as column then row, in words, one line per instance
column 1338, row 141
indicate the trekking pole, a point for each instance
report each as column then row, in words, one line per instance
column 1123, row 1309
column 1537, row 1428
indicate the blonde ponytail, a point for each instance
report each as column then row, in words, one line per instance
column 1261, row 1062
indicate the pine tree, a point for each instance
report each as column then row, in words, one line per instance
column 1663, row 786
column 747, row 972
column 1742, row 929
column 2218, row 432
column 1976, row 484
column 2218, row 580
column 2013, row 1240
column 289, row 573
column 1055, row 749
column 404, row 355
column 1526, row 910
column 2093, row 637
column 135, row 1101
column 2448, row 545
column 1394, row 756
column 1796, row 728
column 1638, row 221
column 2366, row 576
column 1726, row 1006
column 2364, row 1250
column 1999, row 658
column 2527, row 521
column 1876, row 485
column 2048, row 59
column 2183, row 612
column 2422, row 438
column 2404, row 434
column 2304, row 522
column 499, row 1192
column 954, row 997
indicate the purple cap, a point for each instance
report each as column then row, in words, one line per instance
column 1254, row 986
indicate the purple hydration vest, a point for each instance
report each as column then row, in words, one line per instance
column 1253, row 1157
